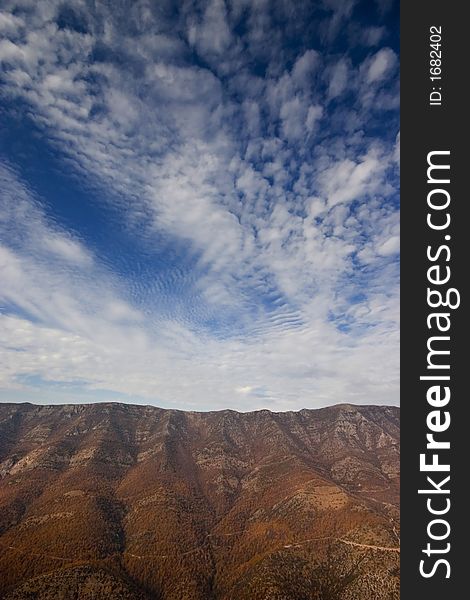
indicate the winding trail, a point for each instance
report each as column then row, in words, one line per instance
column 294, row 544
column 369, row 546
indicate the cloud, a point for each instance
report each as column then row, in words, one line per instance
column 10, row 24
column 373, row 35
column 67, row 249
column 381, row 64
column 347, row 179
column 340, row 11
column 211, row 34
column 338, row 79
column 305, row 67
column 203, row 132
column 390, row 246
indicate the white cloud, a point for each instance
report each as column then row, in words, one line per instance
column 372, row 35
column 211, row 35
column 347, row 180
column 390, row 246
column 314, row 113
column 381, row 64
column 235, row 167
column 338, row 79
column 67, row 249
column 9, row 23
column 304, row 68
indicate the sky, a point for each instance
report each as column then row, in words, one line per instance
column 199, row 202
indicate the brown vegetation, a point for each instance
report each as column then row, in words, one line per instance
column 126, row 502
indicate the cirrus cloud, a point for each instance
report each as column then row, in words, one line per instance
column 254, row 188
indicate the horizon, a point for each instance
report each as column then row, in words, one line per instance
column 220, row 410
column 200, row 204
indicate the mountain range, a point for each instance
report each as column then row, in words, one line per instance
column 129, row 502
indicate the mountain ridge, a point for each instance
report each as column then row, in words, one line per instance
column 171, row 504
column 203, row 412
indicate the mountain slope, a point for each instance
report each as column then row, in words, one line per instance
column 179, row 505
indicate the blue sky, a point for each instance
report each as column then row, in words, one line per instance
column 199, row 202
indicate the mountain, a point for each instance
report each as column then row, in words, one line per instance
column 136, row 502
